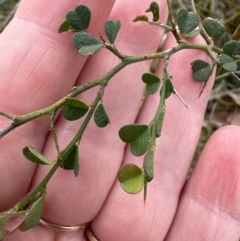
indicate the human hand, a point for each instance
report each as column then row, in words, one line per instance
column 39, row 66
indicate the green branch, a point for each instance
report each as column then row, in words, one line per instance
column 40, row 188
column 20, row 120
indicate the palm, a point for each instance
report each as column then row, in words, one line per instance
column 44, row 66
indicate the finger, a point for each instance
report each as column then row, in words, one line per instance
column 38, row 67
column 175, row 149
column 101, row 151
column 209, row 205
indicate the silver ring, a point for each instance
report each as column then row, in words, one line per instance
column 57, row 227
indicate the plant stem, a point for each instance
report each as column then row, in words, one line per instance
column 159, row 24
column 54, row 135
column 174, row 30
column 8, row 116
column 20, row 120
column 78, row 136
column 40, row 188
column 161, row 110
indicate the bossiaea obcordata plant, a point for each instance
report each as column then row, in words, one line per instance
column 141, row 138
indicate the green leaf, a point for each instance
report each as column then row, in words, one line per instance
column 213, row 27
column 80, row 17
column 228, row 62
column 86, row 44
column 3, row 231
column 71, row 160
column 193, row 34
column 111, row 29
column 101, row 117
column 187, row 21
column 148, row 165
column 131, row 178
column 169, row 88
column 33, row 215
column 145, row 189
column 201, row 70
column 232, row 47
column 138, row 136
column 159, row 123
column 154, row 8
column 152, row 81
column 65, row 26
column 74, row 109
column 143, row 18
column 34, row 156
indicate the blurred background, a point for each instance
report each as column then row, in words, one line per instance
column 7, row 10
column 223, row 106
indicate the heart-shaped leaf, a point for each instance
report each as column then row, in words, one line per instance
column 65, row 26
column 80, row 17
column 33, row 215
column 154, row 8
column 34, row 156
column 232, row 47
column 86, row 44
column 111, row 29
column 213, row 27
column 187, row 21
column 201, row 70
column 70, row 160
column 74, row 109
column 138, row 136
column 168, row 88
column 101, row 117
column 152, row 81
column 143, row 18
column 148, row 165
column 228, row 63
column 131, row 178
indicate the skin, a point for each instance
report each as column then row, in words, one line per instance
column 39, row 66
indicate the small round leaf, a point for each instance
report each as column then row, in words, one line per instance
column 213, row 27
column 131, row 178
column 232, row 47
column 34, row 156
column 228, row 63
column 187, row 21
column 138, row 136
column 33, row 215
column 86, row 44
column 70, row 160
column 65, row 26
column 201, row 70
column 148, row 165
column 152, row 81
column 101, row 117
column 154, row 8
column 111, row 29
column 169, row 88
column 74, row 109
column 80, row 17
column 143, row 18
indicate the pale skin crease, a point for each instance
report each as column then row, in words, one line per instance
column 38, row 66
